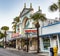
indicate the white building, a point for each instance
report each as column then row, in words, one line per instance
column 50, row 37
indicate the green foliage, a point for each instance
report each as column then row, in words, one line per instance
column 2, row 35
column 5, row 28
column 15, row 21
column 53, row 7
column 38, row 16
column 14, row 28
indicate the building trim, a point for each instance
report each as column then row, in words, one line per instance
column 51, row 24
column 29, row 9
column 50, row 34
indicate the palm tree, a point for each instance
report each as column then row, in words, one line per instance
column 36, row 17
column 15, row 21
column 55, row 7
column 14, row 26
column 2, row 36
column 5, row 28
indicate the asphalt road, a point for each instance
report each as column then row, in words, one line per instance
column 7, row 52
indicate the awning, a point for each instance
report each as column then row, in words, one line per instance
column 17, row 36
column 14, row 35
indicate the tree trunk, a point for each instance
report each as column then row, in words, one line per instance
column 38, row 42
column 5, row 39
column 3, row 42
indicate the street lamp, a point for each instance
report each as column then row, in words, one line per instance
column 27, row 41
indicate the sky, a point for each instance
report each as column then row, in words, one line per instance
column 9, row 9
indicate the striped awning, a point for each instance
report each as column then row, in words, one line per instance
column 14, row 35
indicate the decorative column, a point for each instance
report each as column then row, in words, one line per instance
column 50, row 41
column 24, row 5
column 57, row 41
column 30, row 5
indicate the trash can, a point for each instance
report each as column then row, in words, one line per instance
column 55, row 49
column 51, row 52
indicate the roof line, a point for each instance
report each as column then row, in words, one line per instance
column 51, row 24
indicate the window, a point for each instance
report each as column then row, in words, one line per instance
column 46, row 43
column 27, row 24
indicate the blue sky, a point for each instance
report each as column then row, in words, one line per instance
column 9, row 9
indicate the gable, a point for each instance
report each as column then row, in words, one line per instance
column 25, row 11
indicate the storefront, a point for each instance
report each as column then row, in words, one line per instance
column 50, row 37
column 15, row 41
column 12, row 43
column 33, row 44
column 32, row 36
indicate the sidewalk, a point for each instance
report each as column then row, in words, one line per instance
column 32, row 52
column 12, row 49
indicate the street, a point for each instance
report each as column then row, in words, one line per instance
column 7, row 52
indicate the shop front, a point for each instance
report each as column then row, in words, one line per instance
column 12, row 43
column 33, row 44
column 50, row 37
column 24, row 44
column 15, row 41
column 32, row 39
column 48, row 41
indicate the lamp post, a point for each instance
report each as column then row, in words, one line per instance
column 27, row 41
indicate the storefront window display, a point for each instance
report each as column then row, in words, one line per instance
column 46, row 43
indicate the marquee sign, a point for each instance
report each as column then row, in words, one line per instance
column 31, row 31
